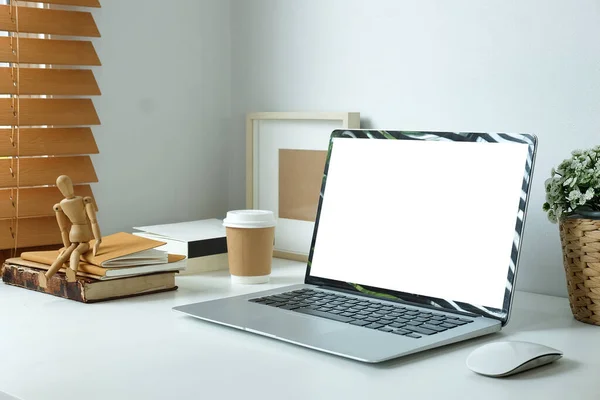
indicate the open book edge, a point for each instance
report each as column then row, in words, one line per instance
column 39, row 260
column 144, row 257
column 125, row 246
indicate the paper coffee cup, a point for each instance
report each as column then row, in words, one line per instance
column 250, row 237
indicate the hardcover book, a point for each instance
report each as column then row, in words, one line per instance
column 193, row 238
column 203, row 242
column 86, row 289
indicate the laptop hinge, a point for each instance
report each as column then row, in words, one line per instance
column 404, row 302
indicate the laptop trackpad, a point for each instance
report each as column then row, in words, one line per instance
column 294, row 326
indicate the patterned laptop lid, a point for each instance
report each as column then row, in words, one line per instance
column 432, row 218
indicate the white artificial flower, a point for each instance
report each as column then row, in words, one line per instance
column 555, row 188
column 573, row 184
column 552, row 216
column 559, row 212
column 574, row 195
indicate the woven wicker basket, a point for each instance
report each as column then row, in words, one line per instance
column 580, row 240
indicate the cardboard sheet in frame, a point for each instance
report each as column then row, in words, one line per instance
column 285, row 157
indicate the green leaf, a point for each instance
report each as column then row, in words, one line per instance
column 372, row 293
column 386, row 135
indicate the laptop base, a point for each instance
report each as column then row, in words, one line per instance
column 334, row 337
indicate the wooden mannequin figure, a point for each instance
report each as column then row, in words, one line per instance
column 80, row 213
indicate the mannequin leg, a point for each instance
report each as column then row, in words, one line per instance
column 74, row 261
column 56, row 265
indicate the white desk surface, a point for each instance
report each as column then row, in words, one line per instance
column 139, row 348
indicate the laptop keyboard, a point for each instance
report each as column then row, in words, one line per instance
column 372, row 314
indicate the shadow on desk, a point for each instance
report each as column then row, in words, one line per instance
column 285, row 280
column 558, row 367
column 439, row 351
column 207, row 290
column 531, row 321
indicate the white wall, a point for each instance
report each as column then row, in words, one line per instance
column 513, row 66
column 164, row 110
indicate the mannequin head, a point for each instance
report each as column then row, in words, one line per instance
column 65, row 185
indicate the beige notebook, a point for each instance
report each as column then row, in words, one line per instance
column 42, row 260
column 125, row 249
column 120, row 254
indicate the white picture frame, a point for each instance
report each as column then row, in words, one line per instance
column 266, row 133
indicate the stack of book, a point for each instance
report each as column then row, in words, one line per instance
column 125, row 265
column 202, row 242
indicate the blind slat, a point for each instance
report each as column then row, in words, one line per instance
column 44, row 171
column 44, row 153
column 36, row 202
column 52, row 22
column 49, row 51
column 48, row 141
column 48, row 112
column 79, row 3
column 49, row 81
column 32, row 232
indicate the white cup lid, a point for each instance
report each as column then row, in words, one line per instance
column 249, row 219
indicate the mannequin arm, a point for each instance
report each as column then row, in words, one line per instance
column 91, row 213
column 63, row 224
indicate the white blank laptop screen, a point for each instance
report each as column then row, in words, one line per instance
column 424, row 217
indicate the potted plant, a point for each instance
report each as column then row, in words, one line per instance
column 573, row 202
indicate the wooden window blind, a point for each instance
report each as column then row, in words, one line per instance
column 46, row 115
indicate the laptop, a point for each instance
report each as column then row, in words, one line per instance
column 416, row 245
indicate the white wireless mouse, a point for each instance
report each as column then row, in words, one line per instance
column 508, row 358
